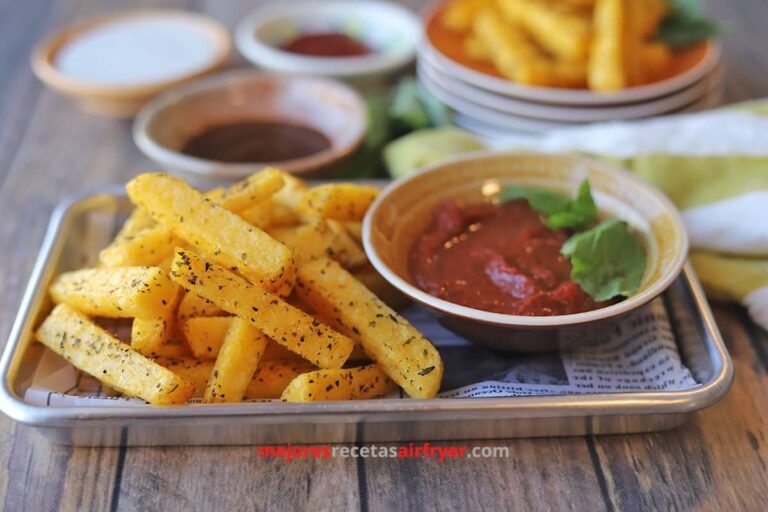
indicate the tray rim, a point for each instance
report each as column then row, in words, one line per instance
column 597, row 404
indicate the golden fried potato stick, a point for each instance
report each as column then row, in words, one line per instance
column 148, row 335
column 607, row 60
column 475, row 48
column 154, row 243
column 137, row 221
column 205, row 334
column 320, row 238
column 460, row 14
column 129, row 292
column 193, row 305
column 195, row 371
column 222, row 235
column 272, row 377
column 518, row 58
column 285, row 324
column 403, row 352
column 344, row 384
column 256, row 188
column 148, row 247
column 338, row 201
column 236, row 363
column 93, row 350
column 565, row 34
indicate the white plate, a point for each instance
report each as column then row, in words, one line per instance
column 570, row 96
column 458, row 89
column 517, row 125
column 489, row 115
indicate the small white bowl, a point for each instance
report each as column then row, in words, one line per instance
column 123, row 98
column 163, row 126
column 391, row 31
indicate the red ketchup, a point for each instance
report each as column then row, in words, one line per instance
column 498, row 258
column 327, row 45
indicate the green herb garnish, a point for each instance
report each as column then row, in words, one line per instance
column 606, row 261
column 686, row 25
column 560, row 211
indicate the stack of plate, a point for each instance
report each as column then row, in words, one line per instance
column 493, row 106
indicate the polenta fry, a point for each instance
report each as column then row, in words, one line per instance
column 149, row 334
column 205, row 335
column 404, row 353
column 193, row 370
column 130, row 292
column 282, row 322
column 460, row 14
column 90, row 348
column 345, row 249
column 606, row 62
column 137, row 221
column 192, row 305
column 259, row 215
column 338, row 201
column 219, row 233
column 148, row 247
column 564, row 34
column 236, row 363
column 272, row 377
column 255, row 189
column 518, row 58
column 344, row 384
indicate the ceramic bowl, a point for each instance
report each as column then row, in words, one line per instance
column 124, row 99
column 391, row 31
column 404, row 210
column 443, row 48
column 330, row 107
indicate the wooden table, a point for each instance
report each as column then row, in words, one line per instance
column 50, row 149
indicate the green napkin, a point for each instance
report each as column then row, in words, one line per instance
column 737, row 270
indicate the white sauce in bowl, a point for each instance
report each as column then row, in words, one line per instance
column 137, row 51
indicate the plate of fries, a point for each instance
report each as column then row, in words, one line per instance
column 257, row 291
column 564, row 52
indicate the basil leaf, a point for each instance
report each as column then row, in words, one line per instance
column 606, row 261
column 581, row 212
column 561, row 212
column 686, row 26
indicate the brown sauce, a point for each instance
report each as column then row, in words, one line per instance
column 255, row 141
column 327, row 45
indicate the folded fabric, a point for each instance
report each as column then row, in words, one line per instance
column 714, row 166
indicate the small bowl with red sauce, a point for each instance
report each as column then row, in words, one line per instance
column 494, row 272
column 230, row 125
column 361, row 41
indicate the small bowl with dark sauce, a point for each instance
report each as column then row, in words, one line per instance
column 493, row 271
column 360, row 41
column 228, row 126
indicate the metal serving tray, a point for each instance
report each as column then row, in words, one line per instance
column 73, row 239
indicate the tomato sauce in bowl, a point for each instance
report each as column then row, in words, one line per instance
column 330, row 44
column 500, row 258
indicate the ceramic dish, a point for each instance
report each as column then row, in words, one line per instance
column 451, row 91
column 124, row 96
column 330, row 107
column 481, row 125
column 391, row 31
column 691, row 66
column 405, row 209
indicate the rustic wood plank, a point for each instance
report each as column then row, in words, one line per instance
column 233, row 478
column 543, row 474
column 49, row 149
column 717, row 462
